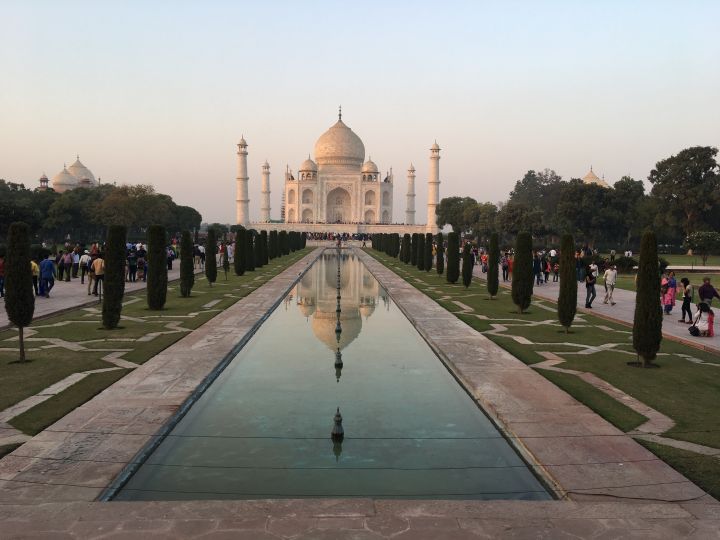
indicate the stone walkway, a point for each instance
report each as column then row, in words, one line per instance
column 623, row 311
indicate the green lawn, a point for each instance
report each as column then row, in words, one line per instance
column 686, row 391
column 82, row 329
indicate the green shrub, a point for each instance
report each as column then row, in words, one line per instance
column 428, row 252
column 493, row 280
column 467, row 265
column 19, row 293
column 420, row 258
column 114, row 280
column 211, row 256
column 453, row 258
column 647, row 323
column 239, row 256
column 567, row 299
column 156, row 268
column 440, row 256
column 522, row 276
column 187, row 267
column 414, row 249
column 250, row 250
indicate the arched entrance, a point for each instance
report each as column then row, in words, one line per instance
column 307, row 216
column 338, row 209
column 385, row 217
column 370, row 216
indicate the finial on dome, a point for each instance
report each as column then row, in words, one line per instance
column 340, row 113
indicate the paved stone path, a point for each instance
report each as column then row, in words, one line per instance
column 623, row 311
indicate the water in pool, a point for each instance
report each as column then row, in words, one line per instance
column 262, row 429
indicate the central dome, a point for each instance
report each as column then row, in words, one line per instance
column 339, row 146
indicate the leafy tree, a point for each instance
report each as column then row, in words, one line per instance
column 626, row 216
column 493, row 282
column 240, row 251
column 114, row 281
column 156, row 269
column 704, row 243
column 420, row 262
column 428, row 252
column 467, row 265
column 687, row 187
column 440, row 257
column 211, row 256
column 453, row 257
column 522, row 276
column 482, row 219
column 567, row 299
column 187, row 267
column 647, row 323
column 582, row 209
column 452, row 211
column 514, row 217
column 19, row 295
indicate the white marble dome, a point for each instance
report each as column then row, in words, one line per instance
column 369, row 167
column 81, row 172
column 308, row 166
column 64, row 181
column 339, row 146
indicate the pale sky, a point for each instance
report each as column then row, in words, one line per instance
column 160, row 92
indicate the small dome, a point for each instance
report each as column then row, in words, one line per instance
column 43, row 177
column 339, row 146
column 242, row 141
column 369, row 167
column 81, row 172
column 435, row 146
column 412, row 168
column 592, row 178
column 308, row 166
column 63, row 181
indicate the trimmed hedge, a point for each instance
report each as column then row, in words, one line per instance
column 114, row 280
column 453, row 258
column 157, row 278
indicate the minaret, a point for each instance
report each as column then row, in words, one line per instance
column 242, row 200
column 265, row 187
column 410, row 210
column 433, row 189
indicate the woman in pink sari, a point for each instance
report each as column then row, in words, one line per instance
column 668, row 289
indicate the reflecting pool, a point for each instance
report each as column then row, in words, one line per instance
column 262, row 429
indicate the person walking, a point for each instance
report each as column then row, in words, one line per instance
column 47, row 275
column 98, row 267
column 60, row 262
column 75, row 262
column 537, row 269
column 84, row 262
column 668, row 289
column 687, row 291
column 68, row 260
column 91, row 273
column 707, row 292
column 35, row 271
column 556, row 272
column 505, row 265
column 132, row 265
column 590, row 280
column 610, row 278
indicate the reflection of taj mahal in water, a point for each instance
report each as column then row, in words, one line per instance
column 316, row 298
column 339, row 191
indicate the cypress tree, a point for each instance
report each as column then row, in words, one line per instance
column 406, row 248
column 467, row 265
column 249, row 251
column 304, row 240
column 493, row 282
column 427, row 265
column 522, row 278
column 211, row 256
column 440, row 257
column 271, row 245
column 114, row 281
column 647, row 325
column 420, row 258
column 225, row 261
column 258, row 251
column 453, row 257
column 284, row 247
column 19, row 294
column 414, row 249
column 187, row 267
column 239, row 260
column 156, row 269
column 567, row 299
column 265, row 249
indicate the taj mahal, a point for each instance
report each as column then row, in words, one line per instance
column 339, row 191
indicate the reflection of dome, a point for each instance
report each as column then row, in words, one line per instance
column 339, row 145
column 81, row 172
column 369, row 167
column 367, row 309
column 308, row 166
column 63, row 181
column 323, row 326
column 307, row 307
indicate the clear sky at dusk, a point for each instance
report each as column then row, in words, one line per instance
column 160, row 92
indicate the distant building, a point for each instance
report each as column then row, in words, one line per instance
column 592, row 178
column 75, row 176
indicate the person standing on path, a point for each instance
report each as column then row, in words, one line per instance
column 707, row 292
column 60, row 262
column 610, row 278
column 537, row 269
column 85, row 260
column 668, row 289
column 68, row 260
column 35, row 271
column 590, row 281
column 47, row 275
column 505, row 264
column 75, row 262
column 98, row 267
column 91, row 273
column 687, row 290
